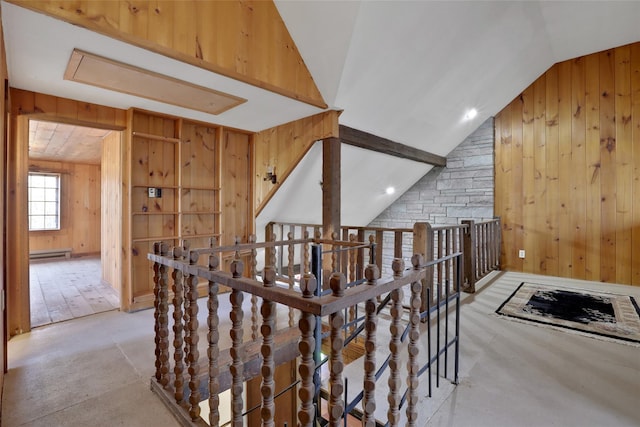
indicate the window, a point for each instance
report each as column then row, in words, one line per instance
column 44, row 201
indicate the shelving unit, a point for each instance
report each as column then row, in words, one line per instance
column 182, row 159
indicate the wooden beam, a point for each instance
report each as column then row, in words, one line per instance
column 371, row 142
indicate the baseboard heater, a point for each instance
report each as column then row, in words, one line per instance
column 50, row 253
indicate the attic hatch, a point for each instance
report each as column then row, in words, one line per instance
column 108, row 74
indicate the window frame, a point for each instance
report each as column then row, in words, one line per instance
column 45, row 201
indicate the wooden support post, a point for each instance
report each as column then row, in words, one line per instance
column 397, row 244
column 330, row 197
column 469, row 256
column 330, row 187
column 423, row 244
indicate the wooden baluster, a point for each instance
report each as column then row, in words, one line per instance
column 161, row 316
column 272, row 253
column 254, row 299
column 194, row 355
column 178, row 289
column 186, row 319
column 236, row 351
column 291, row 274
column 414, row 336
column 336, row 365
column 156, row 309
column 395, row 382
column 267, row 388
column 372, row 274
column 304, row 268
column 352, row 278
column 213, row 352
column 306, row 346
column 334, row 251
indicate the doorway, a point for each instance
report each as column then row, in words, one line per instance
column 65, row 217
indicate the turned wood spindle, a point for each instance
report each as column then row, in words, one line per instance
column 414, row 336
column 267, row 388
column 194, row 355
column 290, row 274
column 372, row 274
column 304, row 268
column 236, row 351
column 178, row 328
column 213, row 352
column 161, row 314
column 394, row 381
column 334, row 251
column 156, row 309
column 352, row 278
column 254, row 299
column 306, row 346
column 337, row 284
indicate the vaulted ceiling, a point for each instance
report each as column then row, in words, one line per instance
column 404, row 70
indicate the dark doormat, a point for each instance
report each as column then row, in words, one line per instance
column 603, row 314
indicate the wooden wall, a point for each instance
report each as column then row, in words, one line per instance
column 3, row 263
column 244, row 40
column 111, row 203
column 23, row 106
column 284, row 146
column 568, row 170
column 80, row 209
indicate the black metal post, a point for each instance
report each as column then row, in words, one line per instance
column 316, row 270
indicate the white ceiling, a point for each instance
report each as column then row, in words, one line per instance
column 404, row 70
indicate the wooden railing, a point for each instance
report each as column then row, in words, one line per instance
column 478, row 241
column 229, row 367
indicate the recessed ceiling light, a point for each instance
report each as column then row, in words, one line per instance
column 390, row 190
column 471, row 114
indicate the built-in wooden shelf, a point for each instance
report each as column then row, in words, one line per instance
column 201, row 212
column 156, row 137
column 155, row 213
column 190, row 187
column 156, row 239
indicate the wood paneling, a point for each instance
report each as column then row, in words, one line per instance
column 3, row 194
column 579, row 213
column 237, row 211
column 80, row 209
column 111, row 203
column 283, row 147
column 204, row 172
column 244, row 40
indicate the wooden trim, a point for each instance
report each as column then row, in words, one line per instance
column 368, row 141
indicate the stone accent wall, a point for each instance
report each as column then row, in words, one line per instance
column 444, row 196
